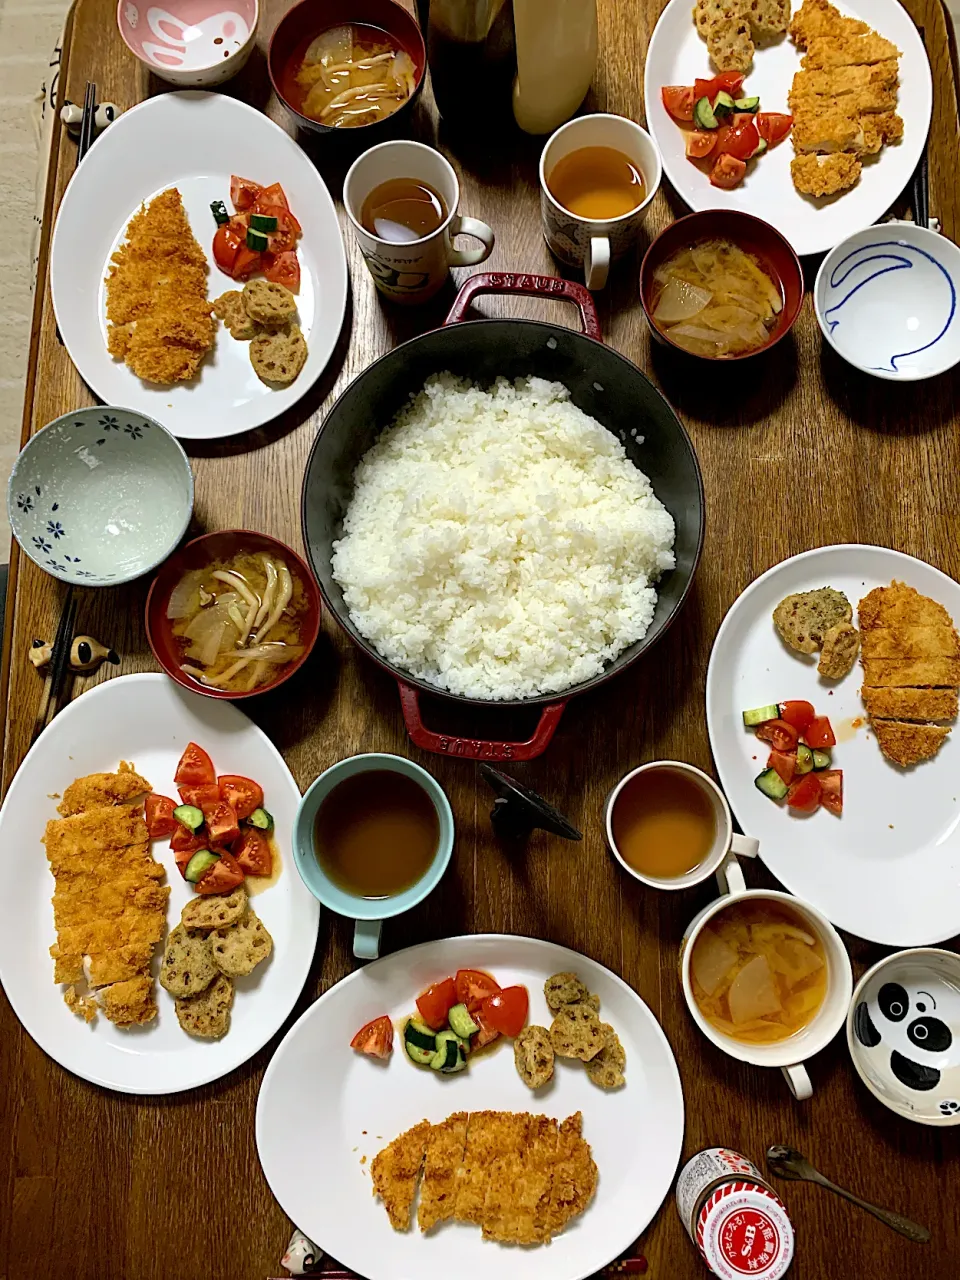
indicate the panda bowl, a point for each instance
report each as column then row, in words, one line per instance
column 903, row 1032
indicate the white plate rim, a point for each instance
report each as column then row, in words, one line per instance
column 335, row 285
column 274, row 1015
column 575, row 960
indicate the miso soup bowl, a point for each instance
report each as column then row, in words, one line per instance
column 790, row 1054
column 368, row 913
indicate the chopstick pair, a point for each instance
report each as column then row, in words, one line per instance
column 58, row 665
column 626, row 1266
column 920, row 186
column 88, row 125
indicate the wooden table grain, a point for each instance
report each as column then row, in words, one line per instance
column 797, row 450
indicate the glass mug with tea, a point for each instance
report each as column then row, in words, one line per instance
column 669, row 825
column 402, row 198
column 598, row 175
column 372, row 838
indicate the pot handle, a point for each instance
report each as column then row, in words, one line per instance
column 535, row 286
column 477, row 748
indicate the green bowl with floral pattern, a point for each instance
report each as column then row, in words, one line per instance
column 100, row 496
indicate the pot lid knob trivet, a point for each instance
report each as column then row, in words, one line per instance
column 517, row 810
column 302, row 1256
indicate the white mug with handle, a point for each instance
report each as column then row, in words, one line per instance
column 789, row 1055
column 415, row 270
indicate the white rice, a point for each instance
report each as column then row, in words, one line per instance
column 500, row 544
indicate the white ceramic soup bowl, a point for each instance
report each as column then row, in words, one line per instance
column 100, row 496
column 903, row 1033
column 190, row 43
column 886, row 301
column 790, row 1054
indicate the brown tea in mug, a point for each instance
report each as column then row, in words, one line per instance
column 402, row 210
column 376, row 834
column 597, row 183
column 663, row 823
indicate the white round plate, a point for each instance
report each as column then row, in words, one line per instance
column 323, row 1107
column 888, row 869
column 194, row 142
column 677, row 55
column 147, row 720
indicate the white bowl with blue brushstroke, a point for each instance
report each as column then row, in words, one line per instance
column 100, row 496
column 886, row 300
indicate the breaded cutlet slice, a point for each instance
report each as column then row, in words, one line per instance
column 900, row 605
column 66, row 968
column 825, row 175
column 444, row 1152
column 529, row 1175
column 395, row 1172
column 129, row 1003
column 102, row 789
column 574, row 1179
column 933, row 641
column 906, row 743
column 107, row 967
column 911, row 704
column 139, row 925
column 826, row 132
column 100, row 828
column 861, row 100
column 902, row 673
column 881, row 129
column 837, row 81
column 500, row 1207
column 485, row 1133
column 824, row 52
column 818, row 18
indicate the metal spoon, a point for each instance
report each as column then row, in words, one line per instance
column 788, row 1163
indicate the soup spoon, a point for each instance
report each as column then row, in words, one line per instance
column 788, row 1163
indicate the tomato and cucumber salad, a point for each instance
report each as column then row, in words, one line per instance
column 260, row 236
column 456, row 1016
column 727, row 128
column 799, row 768
column 220, row 831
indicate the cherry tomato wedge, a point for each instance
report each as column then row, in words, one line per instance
column 726, row 82
column 819, row 733
column 728, row 172
column 785, row 763
column 679, row 100
column 804, row 794
column 195, row 766
column 253, row 853
column 773, row 126
column 375, row 1039
column 487, row 1033
column 435, row 1003
column 223, row 877
column 780, row 735
column 184, row 841
column 274, row 194
column 160, row 819
column 831, row 789
column 283, row 268
column 226, row 246
column 244, row 192
column 740, row 139
column 506, row 1011
column 246, row 263
column 473, row 986
column 242, row 793
column 198, row 794
column 220, row 823
column 699, row 143
column 800, row 714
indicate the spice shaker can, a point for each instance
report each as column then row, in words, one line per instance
column 734, row 1217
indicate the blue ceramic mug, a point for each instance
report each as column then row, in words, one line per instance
column 369, row 913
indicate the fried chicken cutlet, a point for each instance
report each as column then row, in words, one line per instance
column 911, row 671
column 109, row 909
column 160, row 321
column 519, row 1177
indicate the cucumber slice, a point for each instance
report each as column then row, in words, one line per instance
column 260, row 819
column 418, row 1033
column 189, row 815
column 747, row 104
column 219, row 211
column 723, row 103
column 760, row 148
column 263, row 222
column 771, row 784
column 201, row 862
column 760, row 715
column 448, row 1051
column 256, row 240
column 822, row 759
column 703, row 115
column 804, row 758
column 461, row 1023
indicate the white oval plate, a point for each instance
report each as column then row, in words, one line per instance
column 322, row 1107
column 147, row 720
column 677, row 55
column 888, row 870
column 194, row 142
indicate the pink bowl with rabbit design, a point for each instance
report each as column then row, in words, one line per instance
column 191, row 43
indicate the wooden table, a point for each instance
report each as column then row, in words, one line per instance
column 798, row 450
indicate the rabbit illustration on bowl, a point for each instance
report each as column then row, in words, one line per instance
column 200, row 43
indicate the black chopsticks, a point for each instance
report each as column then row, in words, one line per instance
column 88, row 124
column 920, row 187
column 58, row 665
